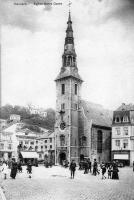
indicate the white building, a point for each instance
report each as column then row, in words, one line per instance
column 15, row 118
column 15, row 140
column 3, row 123
column 123, row 134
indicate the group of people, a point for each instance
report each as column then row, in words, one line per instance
column 13, row 168
column 86, row 165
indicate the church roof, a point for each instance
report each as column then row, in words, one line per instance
column 97, row 114
column 68, row 72
column 125, row 107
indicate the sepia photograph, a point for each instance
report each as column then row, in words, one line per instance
column 67, row 100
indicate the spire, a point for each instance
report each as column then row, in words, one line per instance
column 69, row 32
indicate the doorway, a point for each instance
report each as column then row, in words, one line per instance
column 62, row 157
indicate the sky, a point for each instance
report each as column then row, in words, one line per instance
column 32, row 40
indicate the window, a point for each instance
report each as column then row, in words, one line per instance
column 125, row 144
column 9, row 146
column 32, row 143
column 45, row 141
column 83, row 140
column 117, row 119
column 1, row 146
column 99, row 141
column 76, row 88
column 125, row 129
column 50, row 140
column 63, row 89
column 40, row 156
column 125, row 119
column 41, row 147
column 50, row 146
column 76, row 106
column 117, row 143
column 45, row 147
column 62, row 140
column 36, row 142
column 62, row 106
column 118, row 131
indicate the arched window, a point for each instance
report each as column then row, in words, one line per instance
column 99, row 141
column 63, row 89
column 117, row 119
column 62, row 140
column 76, row 89
column 125, row 118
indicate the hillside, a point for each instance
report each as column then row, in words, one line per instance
column 33, row 120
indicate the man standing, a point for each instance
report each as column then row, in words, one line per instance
column 95, row 166
column 72, row 168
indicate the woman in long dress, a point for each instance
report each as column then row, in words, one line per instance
column 13, row 169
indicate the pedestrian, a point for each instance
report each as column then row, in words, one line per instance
column 85, row 166
column 5, row 169
column 115, row 171
column 89, row 165
column 72, row 168
column 95, row 166
column 29, row 168
column 103, row 170
column 13, row 169
column 109, row 172
column 19, row 167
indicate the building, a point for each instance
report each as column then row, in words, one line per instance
column 6, row 146
column 46, row 147
column 21, row 143
column 123, row 134
column 82, row 130
column 38, row 111
column 15, row 118
column 3, row 123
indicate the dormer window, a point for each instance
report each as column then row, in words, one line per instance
column 125, row 119
column 117, row 119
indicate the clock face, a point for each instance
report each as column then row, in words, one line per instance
column 62, row 125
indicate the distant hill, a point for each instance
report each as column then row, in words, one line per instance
column 28, row 118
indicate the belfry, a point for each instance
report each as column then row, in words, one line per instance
column 68, row 84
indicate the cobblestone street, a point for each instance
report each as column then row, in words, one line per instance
column 55, row 184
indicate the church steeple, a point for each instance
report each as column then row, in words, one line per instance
column 69, row 55
column 69, row 62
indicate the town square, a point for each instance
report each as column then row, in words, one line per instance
column 67, row 106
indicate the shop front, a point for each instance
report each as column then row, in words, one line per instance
column 122, row 157
column 27, row 156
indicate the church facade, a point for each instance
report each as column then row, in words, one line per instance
column 82, row 129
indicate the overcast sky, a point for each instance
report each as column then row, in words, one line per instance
column 33, row 41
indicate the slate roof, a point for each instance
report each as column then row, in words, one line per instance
column 97, row 114
column 68, row 72
column 125, row 107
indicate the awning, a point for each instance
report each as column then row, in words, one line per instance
column 121, row 156
column 29, row 154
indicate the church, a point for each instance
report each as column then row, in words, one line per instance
column 82, row 129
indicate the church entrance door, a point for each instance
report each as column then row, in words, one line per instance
column 62, row 157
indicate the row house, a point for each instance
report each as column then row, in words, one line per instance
column 123, row 134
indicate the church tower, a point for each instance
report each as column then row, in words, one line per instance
column 68, row 85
